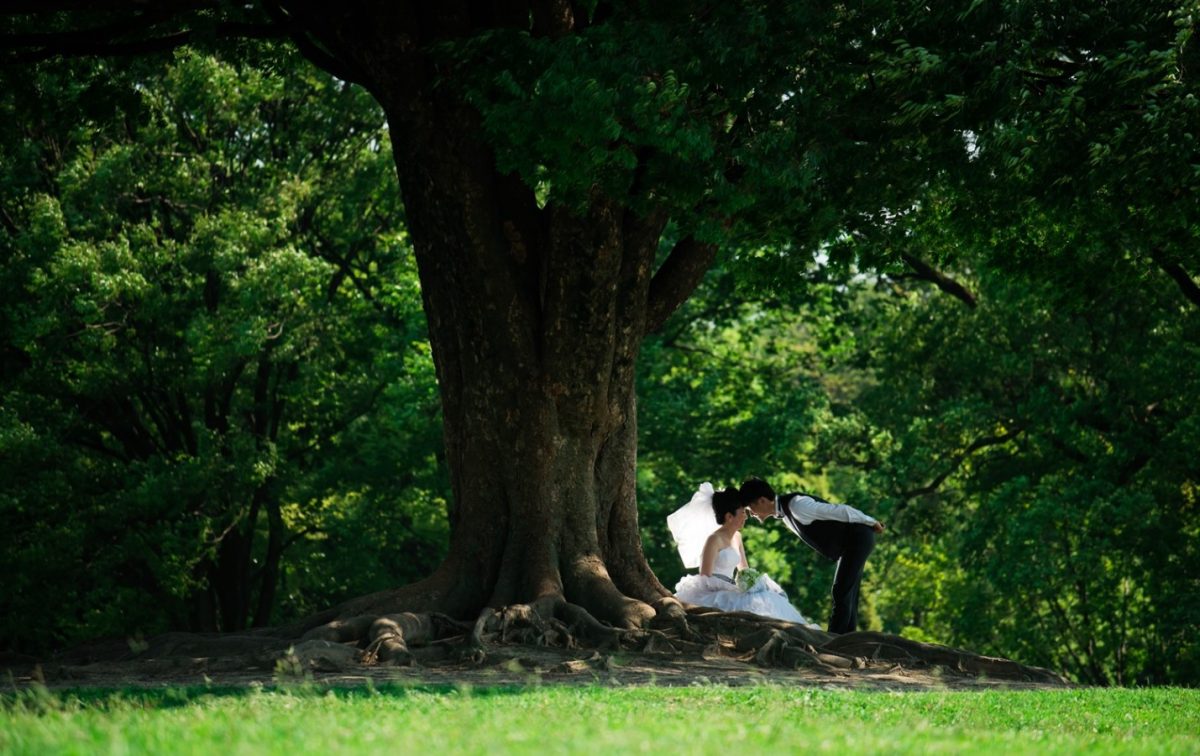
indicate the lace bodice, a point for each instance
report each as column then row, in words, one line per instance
column 727, row 559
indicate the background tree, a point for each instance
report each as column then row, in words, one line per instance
column 195, row 336
column 1059, row 414
column 1037, row 508
column 1043, row 438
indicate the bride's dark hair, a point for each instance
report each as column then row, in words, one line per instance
column 726, row 502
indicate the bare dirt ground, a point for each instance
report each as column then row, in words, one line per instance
column 504, row 665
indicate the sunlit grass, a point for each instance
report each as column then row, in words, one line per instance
column 710, row 719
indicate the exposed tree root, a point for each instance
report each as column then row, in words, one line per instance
column 694, row 631
column 550, row 621
column 883, row 647
column 675, row 632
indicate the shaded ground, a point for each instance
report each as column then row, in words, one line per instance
column 505, row 664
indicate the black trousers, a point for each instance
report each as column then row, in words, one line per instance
column 850, row 544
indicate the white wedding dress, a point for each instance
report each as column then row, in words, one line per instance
column 766, row 598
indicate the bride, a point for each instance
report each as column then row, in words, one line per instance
column 722, row 551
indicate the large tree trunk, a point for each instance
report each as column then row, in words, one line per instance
column 536, row 315
column 535, row 319
column 540, row 418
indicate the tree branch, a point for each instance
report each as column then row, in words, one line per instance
column 97, row 444
column 552, row 18
column 9, row 224
column 676, row 279
column 84, row 43
column 1185, row 282
column 957, row 461
column 125, row 27
column 120, row 27
column 21, row 7
column 926, row 272
column 677, row 345
column 314, row 53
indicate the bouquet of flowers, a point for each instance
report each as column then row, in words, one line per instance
column 749, row 579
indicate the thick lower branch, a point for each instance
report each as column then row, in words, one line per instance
column 678, row 277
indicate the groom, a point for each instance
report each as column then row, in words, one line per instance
column 836, row 531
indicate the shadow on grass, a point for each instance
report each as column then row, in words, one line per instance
column 38, row 698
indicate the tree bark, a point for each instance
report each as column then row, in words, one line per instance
column 536, row 316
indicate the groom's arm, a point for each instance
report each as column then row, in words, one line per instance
column 807, row 509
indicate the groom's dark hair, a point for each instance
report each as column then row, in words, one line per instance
column 752, row 488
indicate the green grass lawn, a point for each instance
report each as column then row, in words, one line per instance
column 710, row 719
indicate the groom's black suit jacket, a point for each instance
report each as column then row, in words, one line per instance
column 826, row 537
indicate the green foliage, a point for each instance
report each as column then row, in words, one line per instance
column 211, row 333
column 748, row 124
column 1034, row 454
column 1045, row 440
column 210, row 311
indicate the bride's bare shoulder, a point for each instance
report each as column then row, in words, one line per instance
column 717, row 539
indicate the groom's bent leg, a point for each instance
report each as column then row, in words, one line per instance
column 860, row 540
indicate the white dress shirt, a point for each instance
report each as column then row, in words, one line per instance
column 806, row 509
